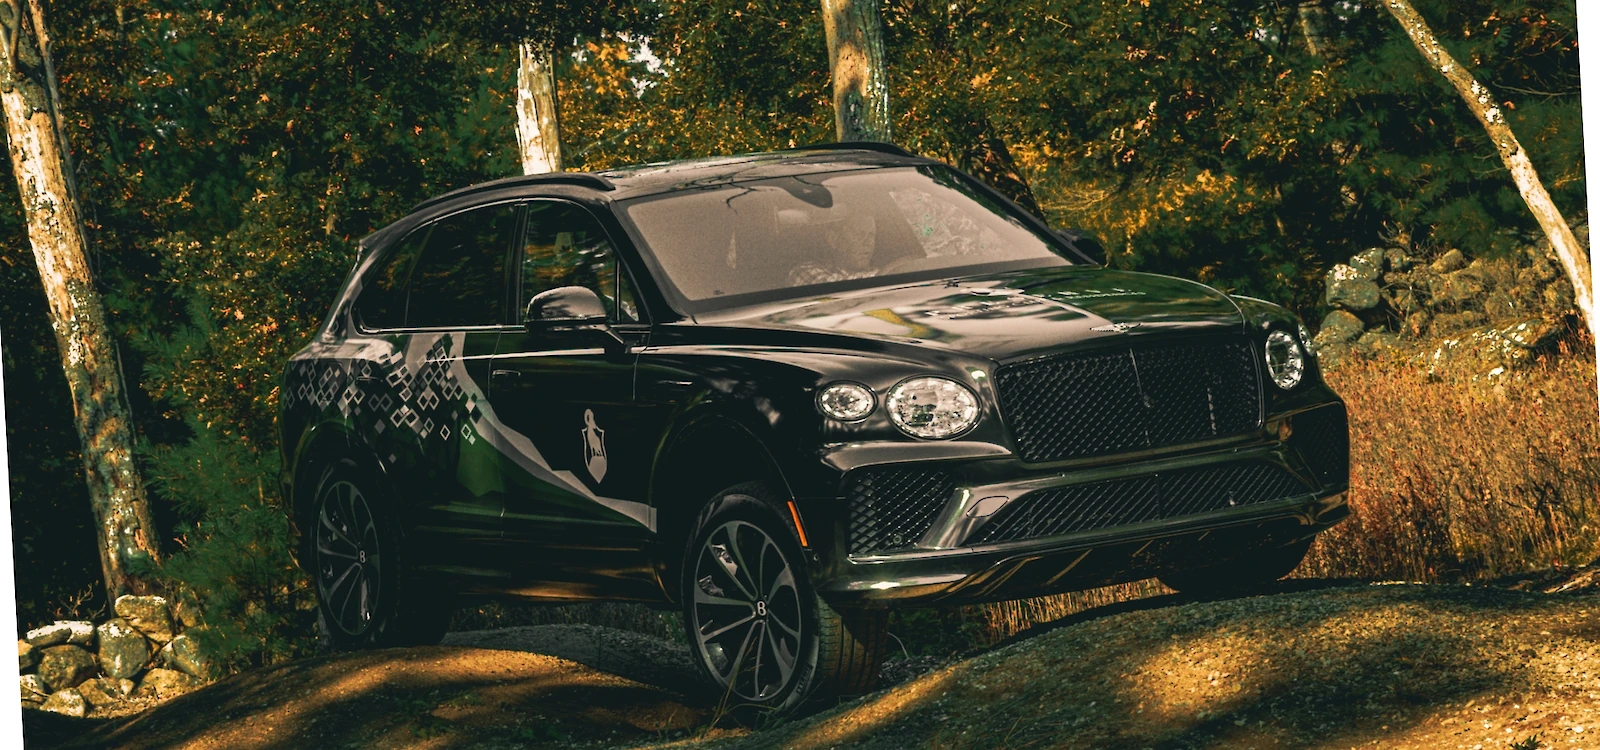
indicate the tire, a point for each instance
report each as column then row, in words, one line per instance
column 367, row 597
column 768, row 652
column 1254, row 571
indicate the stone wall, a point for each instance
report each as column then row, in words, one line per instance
column 1449, row 313
column 144, row 654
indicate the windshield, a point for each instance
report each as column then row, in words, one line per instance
column 804, row 235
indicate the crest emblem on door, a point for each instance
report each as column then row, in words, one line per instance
column 594, row 446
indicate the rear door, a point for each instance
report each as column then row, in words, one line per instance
column 435, row 314
column 577, row 507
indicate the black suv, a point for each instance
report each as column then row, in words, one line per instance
column 784, row 392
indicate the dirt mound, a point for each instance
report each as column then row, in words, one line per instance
column 1401, row 666
column 442, row 696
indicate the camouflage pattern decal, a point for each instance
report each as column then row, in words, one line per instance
column 422, row 388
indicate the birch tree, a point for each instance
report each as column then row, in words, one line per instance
column 124, row 525
column 860, row 80
column 538, row 123
column 1487, row 110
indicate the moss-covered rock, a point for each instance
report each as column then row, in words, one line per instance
column 124, row 652
column 65, row 666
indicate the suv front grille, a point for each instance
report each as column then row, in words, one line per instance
column 1120, row 502
column 1130, row 398
column 893, row 508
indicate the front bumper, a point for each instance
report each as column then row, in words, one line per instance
column 958, row 558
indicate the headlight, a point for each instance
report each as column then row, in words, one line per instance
column 1286, row 362
column 932, row 407
column 846, row 402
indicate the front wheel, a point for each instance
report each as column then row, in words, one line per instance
column 1252, row 572
column 756, row 628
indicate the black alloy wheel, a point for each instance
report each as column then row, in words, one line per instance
column 367, row 597
column 746, row 611
column 762, row 638
column 349, row 559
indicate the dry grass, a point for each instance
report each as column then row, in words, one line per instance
column 1467, row 480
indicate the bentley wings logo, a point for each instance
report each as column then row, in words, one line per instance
column 594, row 447
column 1117, row 327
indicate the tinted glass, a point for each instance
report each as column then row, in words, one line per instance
column 794, row 236
column 383, row 296
column 460, row 279
column 565, row 246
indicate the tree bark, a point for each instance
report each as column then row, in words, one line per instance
column 1484, row 107
column 126, row 531
column 538, row 125
column 860, row 80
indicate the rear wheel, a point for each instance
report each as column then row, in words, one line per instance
column 367, row 597
column 1254, row 571
column 756, row 628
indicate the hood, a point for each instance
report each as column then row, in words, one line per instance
column 1006, row 316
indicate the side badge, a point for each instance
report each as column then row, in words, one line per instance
column 594, row 446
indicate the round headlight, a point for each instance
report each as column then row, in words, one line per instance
column 1286, row 362
column 932, row 407
column 846, row 402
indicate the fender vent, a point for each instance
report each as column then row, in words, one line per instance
column 1323, row 438
column 892, row 508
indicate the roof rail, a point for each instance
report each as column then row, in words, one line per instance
column 879, row 146
column 580, row 179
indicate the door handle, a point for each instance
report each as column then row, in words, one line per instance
column 505, row 374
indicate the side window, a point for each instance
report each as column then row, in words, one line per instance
column 565, row 246
column 383, row 299
column 460, row 279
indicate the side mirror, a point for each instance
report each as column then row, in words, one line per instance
column 1085, row 244
column 567, row 306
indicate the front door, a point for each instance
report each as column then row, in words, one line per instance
column 576, row 517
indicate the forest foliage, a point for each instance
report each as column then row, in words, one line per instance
column 232, row 153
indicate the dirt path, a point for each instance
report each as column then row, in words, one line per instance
column 446, row 696
column 1400, row 666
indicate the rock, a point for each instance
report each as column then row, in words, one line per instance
column 1402, row 300
column 1445, row 323
column 1491, row 351
column 27, row 656
column 66, row 702
column 1556, row 300
column 1398, row 259
column 1347, row 289
column 1461, row 288
column 160, row 684
column 187, row 611
column 1377, row 341
column 1416, row 324
column 1450, row 261
column 80, row 632
column 150, row 615
column 123, row 651
column 101, row 692
column 184, row 654
column 65, row 666
column 33, row 688
column 1337, row 328
column 1368, row 263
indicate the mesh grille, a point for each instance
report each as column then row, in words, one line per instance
column 1130, row 399
column 893, row 508
column 1121, row 502
column 1323, row 439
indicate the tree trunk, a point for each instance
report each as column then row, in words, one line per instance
column 860, row 81
column 124, row 524
column 987, row 158
column 1589, row 60
column 538, row 126
column 1484, row 107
